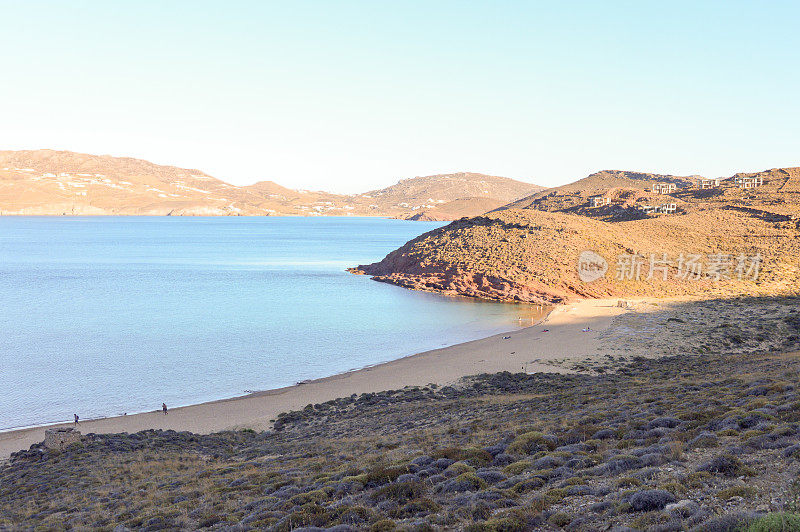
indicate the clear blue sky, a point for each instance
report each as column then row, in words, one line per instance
column 348, row 96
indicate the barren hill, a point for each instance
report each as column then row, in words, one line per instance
column 459, row 208
column 533, row 254
column 433, row 190
column 62, row 182
column 578, row 192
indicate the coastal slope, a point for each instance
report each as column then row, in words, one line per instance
column 531, row 250
column 578, row 192
column 706, row 440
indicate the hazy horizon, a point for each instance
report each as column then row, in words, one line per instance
column 353, row 96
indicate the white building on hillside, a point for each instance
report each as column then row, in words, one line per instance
column 664, row 188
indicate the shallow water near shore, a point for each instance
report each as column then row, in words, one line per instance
column 102, row 316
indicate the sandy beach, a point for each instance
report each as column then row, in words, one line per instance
column 573, row 331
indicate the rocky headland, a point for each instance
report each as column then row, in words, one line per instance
column 531, row 250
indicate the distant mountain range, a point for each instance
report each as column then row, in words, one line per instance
column 48, row 182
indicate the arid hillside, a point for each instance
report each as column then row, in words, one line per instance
column 435, row 190
column 723, row 240
column 58, row 182
column 459, row 208
column 578, row 192
column 703, row 441
column 61, row 182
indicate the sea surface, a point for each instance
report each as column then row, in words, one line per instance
column 102, row 316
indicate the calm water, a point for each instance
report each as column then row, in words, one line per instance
column 102, row 316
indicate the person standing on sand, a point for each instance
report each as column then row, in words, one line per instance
column 76, row 419
column 164, row 408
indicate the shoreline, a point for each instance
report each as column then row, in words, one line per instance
column 528, row 349
column 247, row 393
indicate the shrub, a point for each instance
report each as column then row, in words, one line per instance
column 736, row 491
column 316, row 496
column 478, row 456
column 519, row 520
column 647, row 500
column 529, row 443
column 529, row 484
column 384, row 525
column 560, row 519
column 310, row 515
column 414, row 508
column 621, row 463
column 734, row 522
column 776, row 522
column 704, row 439
column 673, row 487
column 793, row 451
column 752, row 434
column 684, row 509
column 555, row 495
column 383, row 475
column 491, row 476
column 401, row 492
column 517, row 467
column 354, row 515
column 628, row 482
column 727, row 464
column 480, row 511
column 604, row 434
column 460, row 468
column 548, row 462
column 675, row 451
column 465, row 482
column 501, row 524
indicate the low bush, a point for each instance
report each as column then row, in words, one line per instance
column 529, row 443
column 647, row 500
column 479, row 457
column 383, row 475
column 401, row 492
column 727, row 464
column 737, row 491
column 776, row 522
column 560, row 519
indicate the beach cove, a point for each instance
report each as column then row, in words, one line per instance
column 529, row 349
column 104, row 316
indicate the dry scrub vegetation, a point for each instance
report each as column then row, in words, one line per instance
column 696, row 441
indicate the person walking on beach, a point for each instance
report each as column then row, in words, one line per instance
column 164, row 408
column 76, row 419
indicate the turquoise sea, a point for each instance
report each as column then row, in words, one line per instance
column 108, row 315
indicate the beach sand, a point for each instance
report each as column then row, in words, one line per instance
column 530, row 349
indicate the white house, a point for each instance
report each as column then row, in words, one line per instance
column 749, row 182
column 664, row 188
